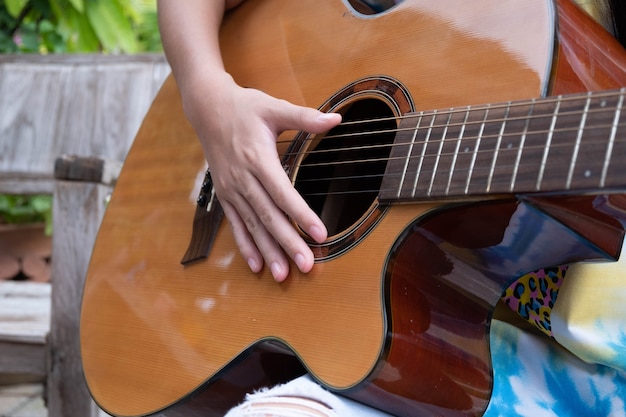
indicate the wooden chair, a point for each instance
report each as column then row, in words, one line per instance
column 57, row 113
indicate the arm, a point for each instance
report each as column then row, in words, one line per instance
column 238, row 128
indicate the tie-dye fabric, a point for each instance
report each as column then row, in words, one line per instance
column 536, row 377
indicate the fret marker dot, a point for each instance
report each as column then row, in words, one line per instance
column 587, row 173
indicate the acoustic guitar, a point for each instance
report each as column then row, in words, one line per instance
column 434, row 201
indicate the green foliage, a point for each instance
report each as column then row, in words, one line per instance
column 22, row 209
column 70, row 26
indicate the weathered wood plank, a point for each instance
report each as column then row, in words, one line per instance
column 24, row 312
column 78, row 208
column 24, row 183
column 86, row 105
column 24, row 325
column 90, row 105
column 27, row 360
column 90, row 169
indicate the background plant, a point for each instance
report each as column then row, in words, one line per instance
column 71, row 26
column 78, row 26
column 18, row 209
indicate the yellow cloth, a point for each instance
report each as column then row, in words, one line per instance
column 589, row 315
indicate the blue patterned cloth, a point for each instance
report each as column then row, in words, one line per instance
column 534, row 376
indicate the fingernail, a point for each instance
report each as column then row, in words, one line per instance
column 317, row 234
column 253, row 265
column 324, row 117
column 276, row 270
column 300, row 261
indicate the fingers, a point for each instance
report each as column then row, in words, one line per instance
column 287, row 116
column 264, row 235
column 258, row 198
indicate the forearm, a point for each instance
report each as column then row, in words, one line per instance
column 237, row 128
column 190, row 36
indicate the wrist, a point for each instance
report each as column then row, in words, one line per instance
column 207, row 89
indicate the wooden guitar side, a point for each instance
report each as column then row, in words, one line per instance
column 399, row 321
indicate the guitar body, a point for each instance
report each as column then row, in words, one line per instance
column 396, row 311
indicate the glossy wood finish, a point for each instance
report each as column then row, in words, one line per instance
column 587, row 57
column 443, row 279
column 448, row 53
column 399, row 321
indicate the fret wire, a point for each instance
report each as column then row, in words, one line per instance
column 456, row 150
column 391, row 145
column 579, row 137
column 396, row 130
column 423, row 156
column 387, row 159
column 613, row 125
column 609, row 150
column 494, row 106
column 518, row 159
column 476, row 147
column 551, row 136
column 408, row 159
column 544, row 160
column 381, row 174
column 498, row 143
column 477, row 108
column 438, row 156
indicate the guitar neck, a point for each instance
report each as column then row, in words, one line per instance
column 555, row 144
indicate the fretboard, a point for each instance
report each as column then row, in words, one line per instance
column 573, row 143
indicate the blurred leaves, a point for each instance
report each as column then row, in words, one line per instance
column 22, row 209
column 69, row 26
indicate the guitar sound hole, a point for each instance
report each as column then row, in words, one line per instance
column 340, row 176
column 370, row 7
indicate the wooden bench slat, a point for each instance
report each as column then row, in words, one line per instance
column 90, row 106
column 24, row 312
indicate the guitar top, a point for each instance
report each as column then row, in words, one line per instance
column 396, row 311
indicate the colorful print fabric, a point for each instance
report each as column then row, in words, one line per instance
column 589, row 318
column 533, row 295
column 536, row 377
column 533, row 377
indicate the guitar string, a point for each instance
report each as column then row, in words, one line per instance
column 483, row 169
column 445, row 139
column 575, row 99
column 451, row 139
column 501, row 106
column 443, row 172
column 388, row 189
column 492, row 122
column 466, row 125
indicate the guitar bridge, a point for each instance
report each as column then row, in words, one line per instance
column 206, row 221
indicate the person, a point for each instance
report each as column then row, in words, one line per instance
column 239, row 140
column 238, row 128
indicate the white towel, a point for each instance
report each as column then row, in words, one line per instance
column 301, row 397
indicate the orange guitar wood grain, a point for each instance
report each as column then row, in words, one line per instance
column 155, row 335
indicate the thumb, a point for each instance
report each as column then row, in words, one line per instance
column 292, row 117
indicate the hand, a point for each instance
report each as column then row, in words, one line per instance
column 238, row 128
